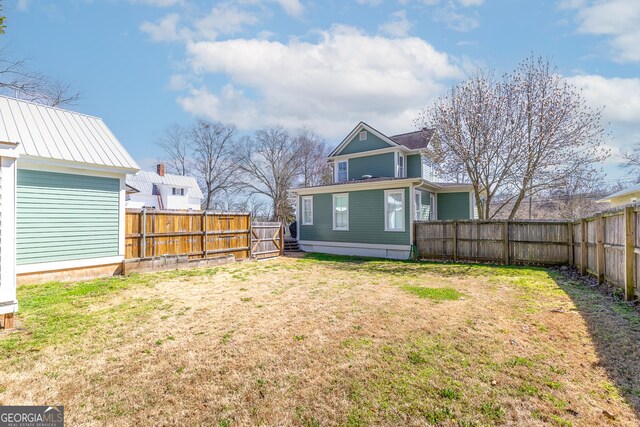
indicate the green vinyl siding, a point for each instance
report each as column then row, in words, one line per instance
column 63, row 216
column 453, row 206
column 371, row 143
column 414, row 166
column 377, row 165
column 366, row 220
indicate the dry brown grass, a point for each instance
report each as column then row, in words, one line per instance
column 332, row 341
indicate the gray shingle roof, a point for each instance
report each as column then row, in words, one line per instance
column 414, row 140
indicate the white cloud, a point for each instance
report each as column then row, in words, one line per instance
column 617, row 19
column 224, row 19
column 620, row 97
column 159, row 3
column 398, row 25
column 468, row 3
column 369, row 2
column 166, row 29
column 329, row 84
column 455, row 20
column 291, row 7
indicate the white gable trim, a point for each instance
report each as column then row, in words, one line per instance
column 360, row 127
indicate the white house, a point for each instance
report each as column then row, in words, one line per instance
column 157, row 190
column 62, row 196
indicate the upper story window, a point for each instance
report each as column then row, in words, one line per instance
column 363, row 135
column 342, row 171
column 177, row 191
column 401, row 170
column 307, row 210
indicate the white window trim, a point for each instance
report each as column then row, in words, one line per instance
column 397, row 165
column 433, row 202
column 386, row 211
column 362, row 135
column 333, row 212
column 338, row 170
column 310, row 209
column 417, row 210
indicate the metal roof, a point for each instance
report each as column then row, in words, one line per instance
column 626, row 191
column 54, row 133
column 144, row 181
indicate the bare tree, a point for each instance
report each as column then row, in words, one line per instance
column 213, row 153
column 559, row 137
column 474, row 128
column 315, row 170
column 632, row 162
column 526, row 134
column 270, row 163
column 175, row 143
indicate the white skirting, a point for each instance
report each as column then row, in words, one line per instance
column 357, row 249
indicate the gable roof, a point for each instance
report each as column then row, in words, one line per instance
column 625, row 192
column 144, row 181
column 412, row 140
column 415, row 140
column 54, row 133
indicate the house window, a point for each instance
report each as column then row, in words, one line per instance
column 307, row 210
column 394, row 210
column 400, row 166
column 422, row 212
column 341, row 212
column 177, row 191
column 363, row 135
column 342, row 173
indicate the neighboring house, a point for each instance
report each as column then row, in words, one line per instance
column 62, row 196
column 623, row 197
column 381, row 186
column 157, row 190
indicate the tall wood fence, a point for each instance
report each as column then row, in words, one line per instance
column 605, row 245
column 198, row 235
column 267, row 239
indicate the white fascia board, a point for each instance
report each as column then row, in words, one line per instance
column 356, row 186
column 399, row 148
column 35, row 162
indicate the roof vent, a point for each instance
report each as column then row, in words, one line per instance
column 366, row 177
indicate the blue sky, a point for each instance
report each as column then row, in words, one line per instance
column 145, row 64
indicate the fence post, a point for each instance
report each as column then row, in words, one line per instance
column 583, row 247
column 282, row 239
column 570, row 239
column 454, row 226
column 600, row 246
column 629, row 254
column 203, row 242
column 143, row 248
column 505, row 242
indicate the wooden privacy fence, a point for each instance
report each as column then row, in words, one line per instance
column 197, row 235
column 267, row 239
column 605, row 245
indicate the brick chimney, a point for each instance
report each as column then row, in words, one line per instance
column 160, row 169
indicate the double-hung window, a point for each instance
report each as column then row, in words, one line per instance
column 341, row 212
column 400, row 166
column 342, row 173
column 307, row 210
column 394, row 210
column 177, row 191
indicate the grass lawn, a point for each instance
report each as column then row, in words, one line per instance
column 326, row 341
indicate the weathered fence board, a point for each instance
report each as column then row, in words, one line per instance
column 605, row 245
column 197, row 235
column 267, row 239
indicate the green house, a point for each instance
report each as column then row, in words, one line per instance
column 382, row 184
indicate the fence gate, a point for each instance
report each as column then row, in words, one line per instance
column 267, row 239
